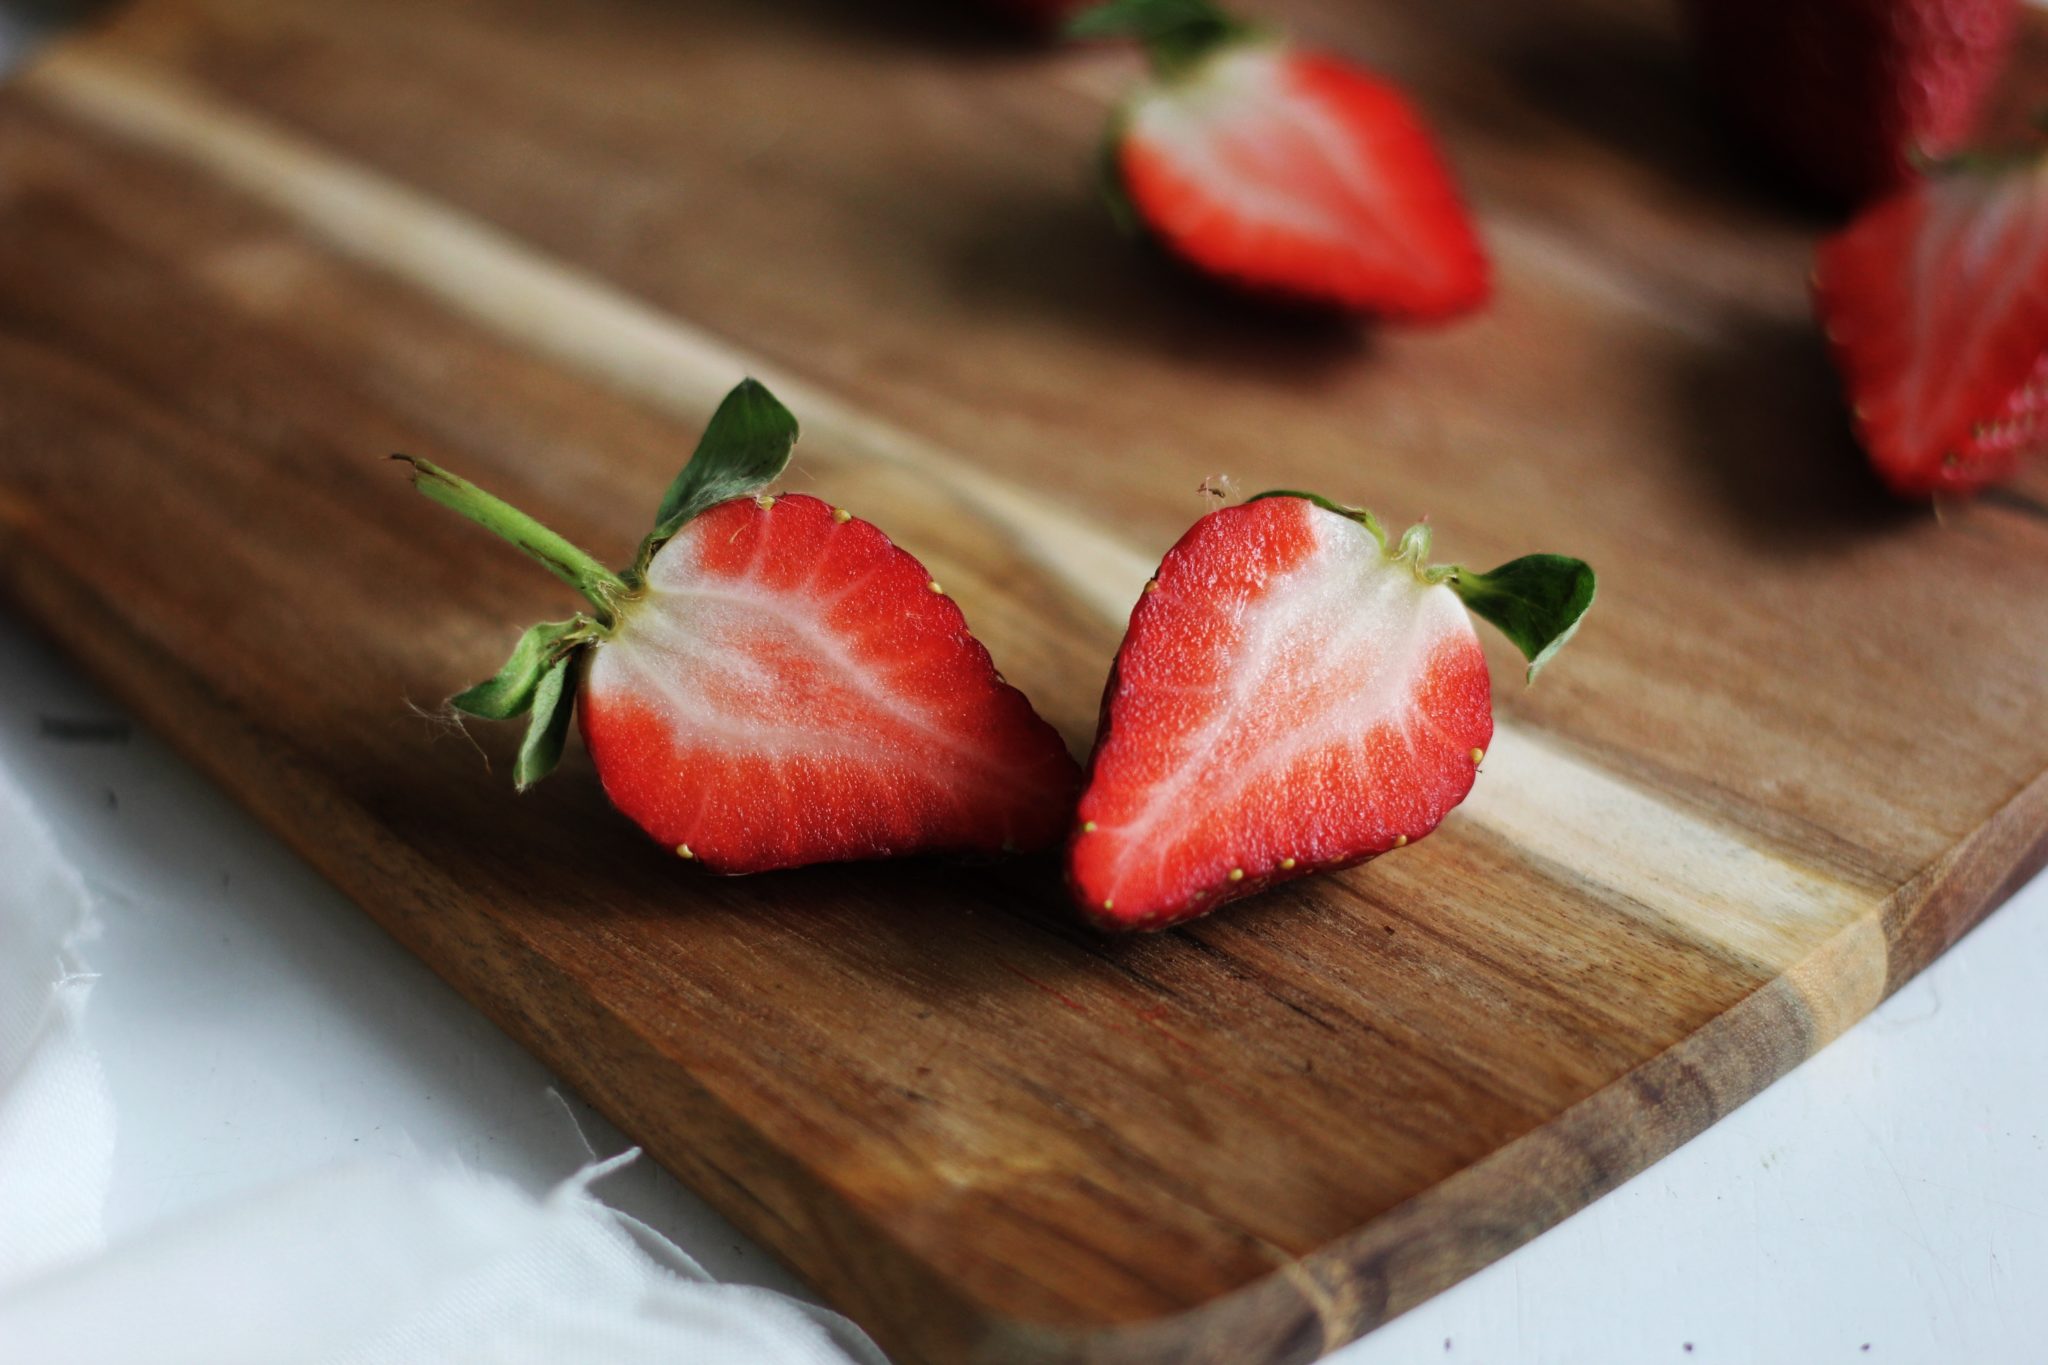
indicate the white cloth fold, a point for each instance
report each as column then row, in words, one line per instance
column 357, row 1264
column 56, row 1117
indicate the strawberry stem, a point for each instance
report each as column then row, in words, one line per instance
column 581, row 571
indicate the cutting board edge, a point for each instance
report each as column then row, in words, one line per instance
column 1420, row 1248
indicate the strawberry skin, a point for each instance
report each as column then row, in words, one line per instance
column 793, row 689
column 1935, row 306
column 1289, row 699
column 1845, row 92
column 1298, row 175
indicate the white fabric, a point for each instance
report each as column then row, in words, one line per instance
column 358, row 1264
column 56, row 1116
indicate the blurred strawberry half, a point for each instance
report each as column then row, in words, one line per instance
column 1295, row 694
column 1285, row 172
column 1935, row 305
column 771, row 682
column 1844, row 93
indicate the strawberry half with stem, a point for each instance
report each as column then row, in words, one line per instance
column 1295, row 694
column 1286, row 172
column 1935, row 305
column 772, row 682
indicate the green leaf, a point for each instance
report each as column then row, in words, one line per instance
column 745, row 447
column 554, row 702
column 510, row 691
column 1537, row 601
column 1176, row 33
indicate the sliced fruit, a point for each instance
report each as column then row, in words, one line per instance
column 1935, row 305
column 1286, row 172
column 1294, row 695
column 772, row 683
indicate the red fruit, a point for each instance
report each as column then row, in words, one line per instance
column 1935, row 304
column 1845, row 92
column 773, row 683
column 1294, row 695
column 795, row 689
column 1287, row 172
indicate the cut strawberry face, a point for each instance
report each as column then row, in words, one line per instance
column 790, row 653
column 1285, row 172
column 1293, row 696
column 1935, row 304
column 773, row 683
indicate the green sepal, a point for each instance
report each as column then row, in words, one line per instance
column 1177, row 34
column 1537, row 601
column 554, row 702
column 744, row 448
column 509, row 692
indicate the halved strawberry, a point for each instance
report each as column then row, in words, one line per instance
column 772, row 683
column 1935, row 303
column 1294, row 695
column 1845, row 93
column 1286, row 172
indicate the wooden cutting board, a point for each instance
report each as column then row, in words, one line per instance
column 248, row 249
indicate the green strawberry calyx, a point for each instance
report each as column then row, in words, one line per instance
column 744, row 448
column 1178, row 35
column 1538, row 601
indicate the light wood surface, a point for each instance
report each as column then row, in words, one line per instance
column 248, row 249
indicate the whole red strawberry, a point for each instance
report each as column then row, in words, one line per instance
column 1295, row 694
column 771, row 683
column 1935, row 305
column 1844, row 93
column 1285, row 172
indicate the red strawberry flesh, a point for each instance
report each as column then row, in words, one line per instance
column 1289, row 699
column 1301, row 176
column 793, row 689
column 1935, row 304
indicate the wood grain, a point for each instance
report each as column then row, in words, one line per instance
column 246, row 249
